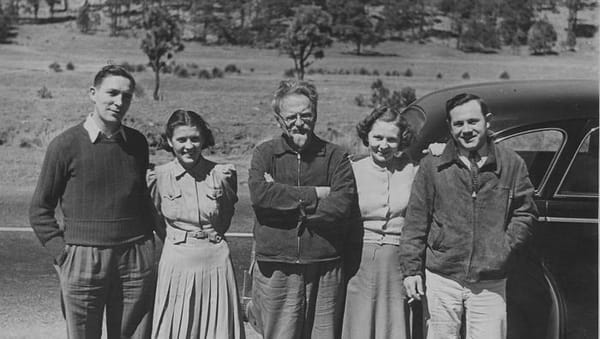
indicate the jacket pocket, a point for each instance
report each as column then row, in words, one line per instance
column 170, row 204
column 436, row 233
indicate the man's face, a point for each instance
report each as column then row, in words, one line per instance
column 111, row 99
column 297, row 119
column 468, row 126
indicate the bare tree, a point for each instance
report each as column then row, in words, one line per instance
column 163, row 38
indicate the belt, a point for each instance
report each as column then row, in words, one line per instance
column 383, row 239
column 178, row 236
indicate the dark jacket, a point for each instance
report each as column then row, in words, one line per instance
column 464, row 235
column 291, row 225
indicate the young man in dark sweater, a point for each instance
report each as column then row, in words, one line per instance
column 104, row 251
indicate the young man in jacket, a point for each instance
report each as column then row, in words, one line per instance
column 104, row 252
column 469, row 209
column 302, row 189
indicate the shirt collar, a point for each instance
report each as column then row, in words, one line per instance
column 316, row 146
column 450, row 155
column 94, row 131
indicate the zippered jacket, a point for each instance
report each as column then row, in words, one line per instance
column 462, row 228
column 292, row 225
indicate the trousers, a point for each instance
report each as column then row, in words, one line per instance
column 484, row 304
column 119, row 279
column 297, row 301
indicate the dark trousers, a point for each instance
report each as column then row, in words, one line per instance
column 120, row 279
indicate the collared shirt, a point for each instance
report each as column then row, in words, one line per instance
column 464, row 156
column 94, row 130
column 201, row 198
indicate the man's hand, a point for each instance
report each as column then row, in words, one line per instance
column 268, row 177
column 322, row 192
column 414, row 287
column 436, row 149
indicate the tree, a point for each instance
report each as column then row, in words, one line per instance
column 307, row 34
column 353, row 23
column 35, row 6
column 51, row 4
column 5, row 26
column 574, row 7
column 541, row 37
column 516, row 19
column 162, row 39
column 401, row 15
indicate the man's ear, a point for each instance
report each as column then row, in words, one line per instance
column 279, row 120
column 488, row 119
column 92, row 93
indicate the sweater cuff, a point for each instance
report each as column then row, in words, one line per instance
column 55, row 247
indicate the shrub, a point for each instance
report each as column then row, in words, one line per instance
column 44, row 93
column 360, row 100
column 466, row 75
column 204, row 74
column 439, row 76
column 252, row 70
column 504, row 75
column 541, row 37
column 84, row 21
column 395, row 73
column 217, row 72
column 55, row 67
column 388, row 73
column 140, row 68
column 375, row 72
column 408, row 72
column 128, row 67
column 181, row 71
column 231, row 68
column 70, row 66
column 380, row 95
column 139, row 91
column 364, row 71
column 289, row 73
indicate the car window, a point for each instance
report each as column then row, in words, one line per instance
column 582, row 176
column 538, row 148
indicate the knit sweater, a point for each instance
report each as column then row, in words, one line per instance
column 101, row 189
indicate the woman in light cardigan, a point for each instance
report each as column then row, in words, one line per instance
column 375, row 298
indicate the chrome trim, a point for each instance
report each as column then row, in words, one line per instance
column 554, row 159
column 556, row 193
column 569, row 220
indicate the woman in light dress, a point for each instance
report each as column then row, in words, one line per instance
column 196, row 293
column 375, row 298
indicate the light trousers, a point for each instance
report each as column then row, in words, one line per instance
column 297, row 301
column 120, row 279
column 483, row 304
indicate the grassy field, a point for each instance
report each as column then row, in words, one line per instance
column 237, row 107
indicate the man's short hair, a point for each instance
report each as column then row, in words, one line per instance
column 112, row 70
column 293, row 86
column 463, row 98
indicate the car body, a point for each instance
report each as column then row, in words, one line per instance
column 552, row 291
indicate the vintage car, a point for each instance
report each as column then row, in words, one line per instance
column 552, row 291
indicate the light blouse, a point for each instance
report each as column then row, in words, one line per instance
column 202, row 198
column 383, row 196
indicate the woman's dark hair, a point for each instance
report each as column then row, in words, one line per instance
column 387, row 114
column 188, row 118
column 112, row 70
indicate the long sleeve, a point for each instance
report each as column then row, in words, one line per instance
column 50, row 188
column 525, row 211
column 154, row 199
column 418, row 217
column 226, row 175
column 338, row 204
column 272, row 195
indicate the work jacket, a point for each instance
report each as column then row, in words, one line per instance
column 462, row 227
column 292, row 225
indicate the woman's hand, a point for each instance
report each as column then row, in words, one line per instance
column 436, row 149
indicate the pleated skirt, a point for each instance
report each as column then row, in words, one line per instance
column 196, row 294
column 375, row 296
